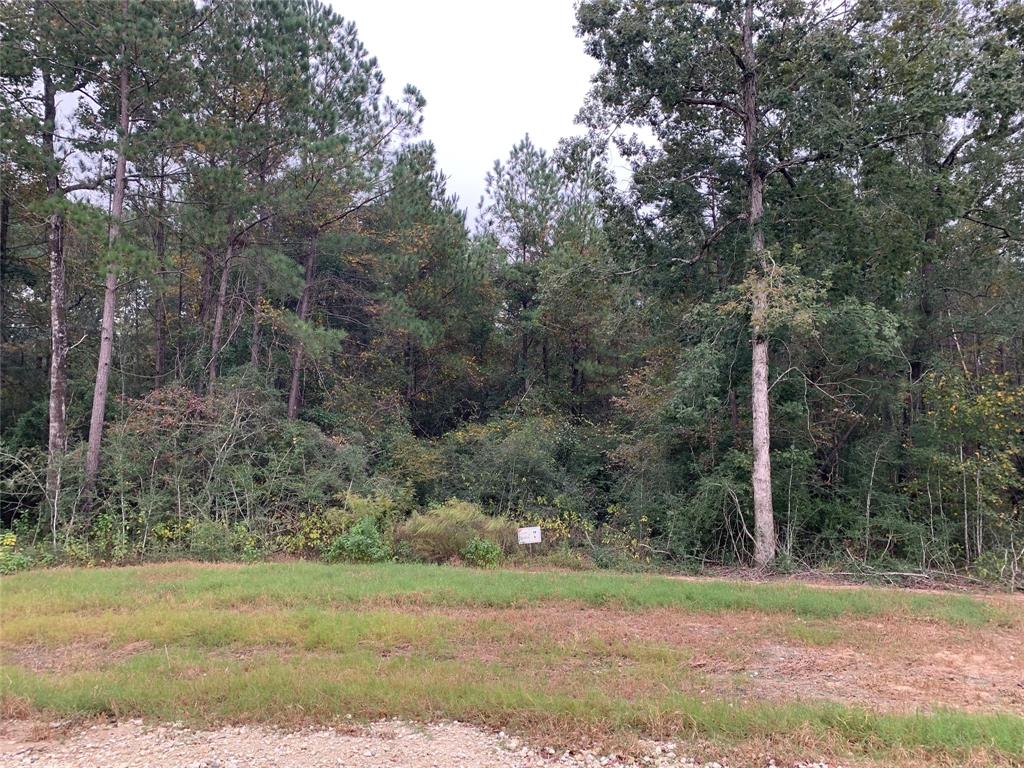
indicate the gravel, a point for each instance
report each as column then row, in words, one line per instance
column 385, row 744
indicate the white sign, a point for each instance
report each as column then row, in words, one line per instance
column 529, row 535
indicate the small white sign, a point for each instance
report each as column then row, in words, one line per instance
column 529, row 535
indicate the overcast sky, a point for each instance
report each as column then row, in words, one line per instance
column 491, row 71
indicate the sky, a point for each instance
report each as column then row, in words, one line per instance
column 490, row 70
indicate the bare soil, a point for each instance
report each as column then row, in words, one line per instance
column 887, row 665
column 385, row 744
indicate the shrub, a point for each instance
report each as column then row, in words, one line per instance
column 211, row 541
column 443, row 532
column 317, row 530
column 560, row 464
column 612, row 559
column 564, row 557
column 362, row 543
column 11, row 559
column 482, row 553
column 231, row 456
column 246, row 544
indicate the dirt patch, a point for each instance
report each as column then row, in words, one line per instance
column 890, row 665
column 887, row 664
column 383, row 743
column 930, row 583
column 129, row 744
column 386, row 743
column 78, row 656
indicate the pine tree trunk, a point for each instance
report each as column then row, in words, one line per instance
column 307, row 288
column 524, row 354
column 57, row 438
column 5, row 224
column 761, row 472
column 179, row 311
column 218, row 315
column 106, row 353
column 254, row 339
column 206, row 288
column 160, row 319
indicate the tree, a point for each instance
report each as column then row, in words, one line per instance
column 45, row 45
column 520, row 210
column 716, row 83
column 134, row 46
column 796, row 330
column 342, row 167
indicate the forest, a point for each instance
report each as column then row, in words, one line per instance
column 244, row 317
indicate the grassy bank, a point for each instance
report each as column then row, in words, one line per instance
column 305, row 584
column 563, row 656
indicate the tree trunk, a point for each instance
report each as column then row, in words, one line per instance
column 57, row 439
column 179, row 311
column 761, row 473
column 218, row 315
column 206, row 288
column 5, row 223
column 254, row 339
column 524, row 351
column 307, row 288
column 921, row 343
column 160, row 319
column 99, row 394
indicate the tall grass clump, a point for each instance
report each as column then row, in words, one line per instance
column 444, row 532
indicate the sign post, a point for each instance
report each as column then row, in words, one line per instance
column 529, row 536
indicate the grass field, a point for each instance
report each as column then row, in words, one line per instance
column 869, row 675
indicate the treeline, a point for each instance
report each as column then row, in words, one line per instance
column 242, row 314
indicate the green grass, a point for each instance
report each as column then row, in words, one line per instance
column 303, row 584
column 300, row 642
column 816, row 634
column 197, row 687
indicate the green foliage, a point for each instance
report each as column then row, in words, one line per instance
column 210, row 541
column 613, row 559
column 11, row 558
column 482, row 553
column 178, row 461
column 445, row 531
column 565, row 558
column 321, row 639
column 362, row 543
column 579, row 359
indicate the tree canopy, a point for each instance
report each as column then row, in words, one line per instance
column 237, row 291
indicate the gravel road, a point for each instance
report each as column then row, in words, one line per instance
column 386, row 744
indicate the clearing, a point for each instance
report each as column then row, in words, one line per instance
column 567, row 663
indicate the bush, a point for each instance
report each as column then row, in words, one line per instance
column 445, row 531
column 564, row 557
column 613, row 559
column 482, row 553
column 317, row 530
column 211, row 541
column 11, row 559
column 232, row 456
column 560, row 465
column 362, row 543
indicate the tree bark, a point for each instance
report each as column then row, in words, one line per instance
column 206, row 288
column 5, row 223
column 254, row 339
column 160, row 319
column 304, row 300
column 106, row 352
column 218, row 315
column 761, row 472
column 57, row 437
